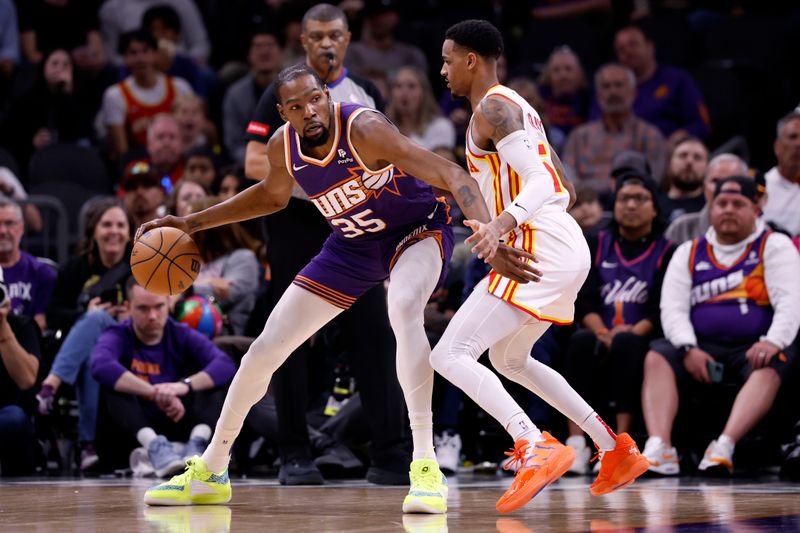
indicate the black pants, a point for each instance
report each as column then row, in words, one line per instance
column 611, row 377
column 296, row 235
column 121, row 416
column 17, row 442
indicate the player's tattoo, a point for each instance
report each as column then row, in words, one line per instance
column 466, row 196
column 502, row 116
column 193, row 225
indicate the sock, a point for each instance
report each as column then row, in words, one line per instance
column 599, row 431
column 202, row 432
column 727, row 442
column 145, row 436
column 216, row 462
column 654, row 442
column 577, row 442
column 422, row 436
column 520, row 426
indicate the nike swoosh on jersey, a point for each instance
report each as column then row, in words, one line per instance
column 296, row 168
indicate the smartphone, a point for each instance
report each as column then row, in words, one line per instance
column 715, row 371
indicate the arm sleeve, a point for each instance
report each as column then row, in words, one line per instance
column 266, row 119
column 211, row 359
column 675, row 299
column 517, row 149
column 105, row 359
column 781, row 265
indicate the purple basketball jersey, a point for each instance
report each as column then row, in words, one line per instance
column 729, row 303
column 358, row 203
column 625, row 285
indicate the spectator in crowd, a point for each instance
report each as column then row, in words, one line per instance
column 159, row 380
column 29, row 281
column 19, row 365
column 693, row 225
column 196, row 130
column 666, row 96
column 590, row 147
column 130, row 105
column 143, row 193
column 265, row 58
column 413, row 109
column 12, row 189
column 230, row 181
column 565, row 95
column 9, row 47
column 187, row 192
column 729, row 299
column 120, row 16
column 618, row 307
column 325, row 36
column 201, row 166
column 783, row 180
column 683, row 178
column 378, row 47
column 71, row 25
column 164, row 150
column 87, row 299
column 230, row 271
column 587, row 211
column 50, row 112
column 164, row 23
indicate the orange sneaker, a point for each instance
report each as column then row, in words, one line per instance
column 537, row 466
column 619, row 467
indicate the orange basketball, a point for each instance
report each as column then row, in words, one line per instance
column 165, row 261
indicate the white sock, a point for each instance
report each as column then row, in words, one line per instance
column 201, row 431
column 422, row 436
column 599, row 431
column 520, row 426
column 145, row 436
column 654, row 442
column 727, row 442
column 577, row 442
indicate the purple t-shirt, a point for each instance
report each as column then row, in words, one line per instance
column 181, row 353
column 30, row 285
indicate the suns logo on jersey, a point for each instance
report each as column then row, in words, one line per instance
column 340, row 198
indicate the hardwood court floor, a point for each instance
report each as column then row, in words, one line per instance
column 661, row 505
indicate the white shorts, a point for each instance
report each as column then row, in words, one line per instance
column 564, row 259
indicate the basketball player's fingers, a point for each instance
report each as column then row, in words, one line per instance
column 519, row 253
column 532, row 270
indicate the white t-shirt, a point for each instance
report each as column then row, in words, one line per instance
column 440, row 133
column 783, row 199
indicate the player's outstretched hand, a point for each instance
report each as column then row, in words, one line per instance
column 514, row 264
column 169, row 220
column 485, row 238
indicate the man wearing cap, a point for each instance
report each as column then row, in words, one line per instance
column 693, row 225
column 142, row 192
column 618, row 305
column 730, row 311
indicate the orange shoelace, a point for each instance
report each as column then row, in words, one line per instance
column 518, row 454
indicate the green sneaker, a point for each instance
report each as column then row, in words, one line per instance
column 195, row 486
column 428, row 492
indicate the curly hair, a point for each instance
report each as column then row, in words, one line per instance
column 479, row 36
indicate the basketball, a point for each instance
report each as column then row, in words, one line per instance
column 201, row 313
column 165, row 261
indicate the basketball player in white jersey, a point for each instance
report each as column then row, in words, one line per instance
column 523, row 183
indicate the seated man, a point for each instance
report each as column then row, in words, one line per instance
column 729, row 310
column 159, row 380
column 618, row 306
column 19, row 363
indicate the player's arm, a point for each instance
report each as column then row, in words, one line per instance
column 378, row 140
column 266, row 197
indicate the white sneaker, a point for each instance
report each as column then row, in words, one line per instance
column 717, row 459
column 663, row 459
column 582, row 455
column 448, row 451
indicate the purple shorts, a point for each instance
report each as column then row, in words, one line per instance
column 347, row 268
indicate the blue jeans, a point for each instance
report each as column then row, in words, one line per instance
column 72, row 366
column 16, row 441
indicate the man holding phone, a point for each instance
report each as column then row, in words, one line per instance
column 730, row 311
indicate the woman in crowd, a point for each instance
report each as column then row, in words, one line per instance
column 186, row 192
column 88, row 297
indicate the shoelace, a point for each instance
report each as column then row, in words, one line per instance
column 426, row 480
column 188, row 474
column 518, row 457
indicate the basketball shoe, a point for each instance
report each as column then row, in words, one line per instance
column 428, row 493
column 718, row 459
column 195, row 486
column 619, row 467
column 663, row 459
column 537, row 465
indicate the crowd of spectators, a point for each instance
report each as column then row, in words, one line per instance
column 687, row 201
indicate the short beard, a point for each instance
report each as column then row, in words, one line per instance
column 686, row 185
column 307, row 144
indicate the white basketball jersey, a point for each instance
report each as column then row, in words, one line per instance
column 550, row 233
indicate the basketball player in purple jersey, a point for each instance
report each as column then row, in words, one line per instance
column 360, row 173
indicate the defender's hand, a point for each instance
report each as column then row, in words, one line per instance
column 169, row 220
column 485, row 237
column 514, row 264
